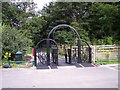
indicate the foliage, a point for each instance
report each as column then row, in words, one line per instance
column 97, row 23
column 102, row 19
column 22, row 16
column 63, row 37
column 108, row 62
column 15, row 14
column 13, row 40
column 65, row 13
column 23, row 64
column 34, row 29
column 7, row 55
column 83, row 34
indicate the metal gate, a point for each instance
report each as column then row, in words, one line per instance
column 46, row 51
column 41, row 53
column 85, row 52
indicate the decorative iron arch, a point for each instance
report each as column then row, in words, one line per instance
column 90, row 60
column 86, row 43
column 35, row 59
column 74, row 31
column 46, row 40
column 74, row 36
column 64, row 25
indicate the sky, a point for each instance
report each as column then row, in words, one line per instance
column 41, row 3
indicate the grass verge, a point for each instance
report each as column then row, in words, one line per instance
column 107, row 62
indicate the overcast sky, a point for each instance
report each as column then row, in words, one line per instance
column 41, row 3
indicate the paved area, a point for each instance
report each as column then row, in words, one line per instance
column 103, row 76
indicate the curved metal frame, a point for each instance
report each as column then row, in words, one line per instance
column 46, row 40
column 71, row 28
column 64, row 25
column 73, row 36
column 38, row 44
column 90, row 59
column 86, row 43
column 48, row 43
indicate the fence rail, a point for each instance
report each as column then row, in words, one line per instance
column 105, row 52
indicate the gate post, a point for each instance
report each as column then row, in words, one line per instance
column 90, row 54
column 48, row 51
column 55, row 56
column 69, row 55
column 79, row 52
column 35, row 60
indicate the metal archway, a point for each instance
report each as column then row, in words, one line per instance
column 35, row 57
column 74, row 36
column 71, row 28
column 89, row 48
column 46, row 40
column 90, row 57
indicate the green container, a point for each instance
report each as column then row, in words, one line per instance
column 18, row 57
column 33, row 62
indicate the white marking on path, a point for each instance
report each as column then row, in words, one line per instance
column 112, row 68
column 81, row 65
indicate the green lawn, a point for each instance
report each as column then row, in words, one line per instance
column 22, row 64
column 107, row 62
column 29, row 51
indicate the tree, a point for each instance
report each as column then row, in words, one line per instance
column 22, row 16
column 13, row 40
column 101, row 20
column 64, row 36
column 63, row 12
column 97, row 23
column 83, row 33
column 15, row 14
column 34, row 29
column 66, row 13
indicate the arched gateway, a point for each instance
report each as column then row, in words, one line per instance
column 40, row 56
column 49, row 45
column 74, row 31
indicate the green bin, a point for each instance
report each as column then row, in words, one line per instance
column 33, row 62
column 18, row 57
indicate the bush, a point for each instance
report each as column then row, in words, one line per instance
column 13, row 40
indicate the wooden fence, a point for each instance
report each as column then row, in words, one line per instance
column 105, row 52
